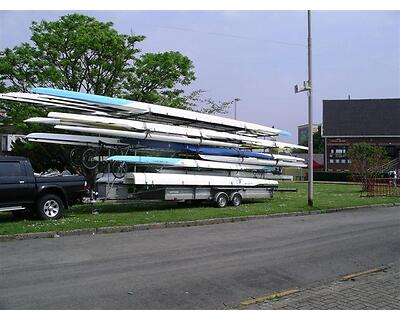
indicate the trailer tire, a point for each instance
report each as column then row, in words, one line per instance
column 221, row 199
column 50, row 207
column 236, row 199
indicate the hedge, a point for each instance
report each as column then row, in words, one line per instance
column 332, row 176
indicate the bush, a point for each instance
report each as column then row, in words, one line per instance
column 332, row 176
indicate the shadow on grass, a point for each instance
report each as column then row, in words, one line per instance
column 122, row 207
column 140, row 206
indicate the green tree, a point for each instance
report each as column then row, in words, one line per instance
column 367, row 161
column 75, row 53
column 79, row 53
column 153, row 78
column 318, row 142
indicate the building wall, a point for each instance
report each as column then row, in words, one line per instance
column 6, row 141
column 336, row 150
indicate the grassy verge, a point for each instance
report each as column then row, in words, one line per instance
column 326, row 196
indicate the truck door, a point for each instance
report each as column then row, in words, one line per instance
column 13, row 190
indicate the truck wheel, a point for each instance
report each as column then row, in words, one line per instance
column 236, row 199
column 221, row 199
column 50, row 207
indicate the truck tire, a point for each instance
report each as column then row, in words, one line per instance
column 221, row 200
column 236, row 199
column 50, row 207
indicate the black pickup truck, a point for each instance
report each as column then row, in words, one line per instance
column 22, row 190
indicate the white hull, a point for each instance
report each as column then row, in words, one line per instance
column 70, row 139
column 140, row 107
column 187, row 163
column 163, row 179
column 59, row 118
column 106, row 105
column 148, row 136
column 253, row 161
column 226, row 173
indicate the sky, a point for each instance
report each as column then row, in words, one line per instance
column 258, row 56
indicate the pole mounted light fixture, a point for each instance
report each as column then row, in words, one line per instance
column 307, row 86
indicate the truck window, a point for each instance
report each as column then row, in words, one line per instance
column 10, row 169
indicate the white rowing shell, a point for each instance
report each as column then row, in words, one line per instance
column 59, row 118
column 148, row 136
column 187, row 163
column 70, row 139
column 254, row 161
column 140, row 178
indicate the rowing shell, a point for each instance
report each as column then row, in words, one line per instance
column 140, row 107
column 70, row 139
column 253, row 161
column 187, row 163
column 112, row 123
column 146, row 136
column 170, row 179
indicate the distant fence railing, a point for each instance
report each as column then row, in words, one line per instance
column 388, row 187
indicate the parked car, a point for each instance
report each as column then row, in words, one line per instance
column 23, row 191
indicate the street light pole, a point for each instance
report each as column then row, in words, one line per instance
column 307, row 86
column 310, row 117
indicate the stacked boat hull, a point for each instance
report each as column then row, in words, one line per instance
column 196, row 148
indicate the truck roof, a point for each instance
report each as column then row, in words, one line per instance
column 11, row 158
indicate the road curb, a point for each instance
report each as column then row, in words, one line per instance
column 353, row 276
column 177, row 224
column 272, row 296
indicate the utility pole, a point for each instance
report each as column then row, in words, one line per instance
column 310, row 119
column 236, row 100
column 307, row 86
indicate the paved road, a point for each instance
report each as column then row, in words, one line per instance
column 212, row 267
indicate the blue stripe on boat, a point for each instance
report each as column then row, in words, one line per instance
column 145, row 160
column 190, row 148
column 94, row 98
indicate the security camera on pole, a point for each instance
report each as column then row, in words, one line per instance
column 307, row 86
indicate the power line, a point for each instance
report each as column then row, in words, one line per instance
column 228, row 35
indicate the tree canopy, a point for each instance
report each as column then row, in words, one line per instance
column 318, row 142
column 76, row 53
column 80, row 53
column 367, row 161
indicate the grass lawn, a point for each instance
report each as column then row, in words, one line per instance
column 112, row 214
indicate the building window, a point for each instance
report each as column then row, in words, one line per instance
column 4, row 143
column 337, row 154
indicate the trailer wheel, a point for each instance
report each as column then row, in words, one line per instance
column 221, row 199
column 236, row 199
